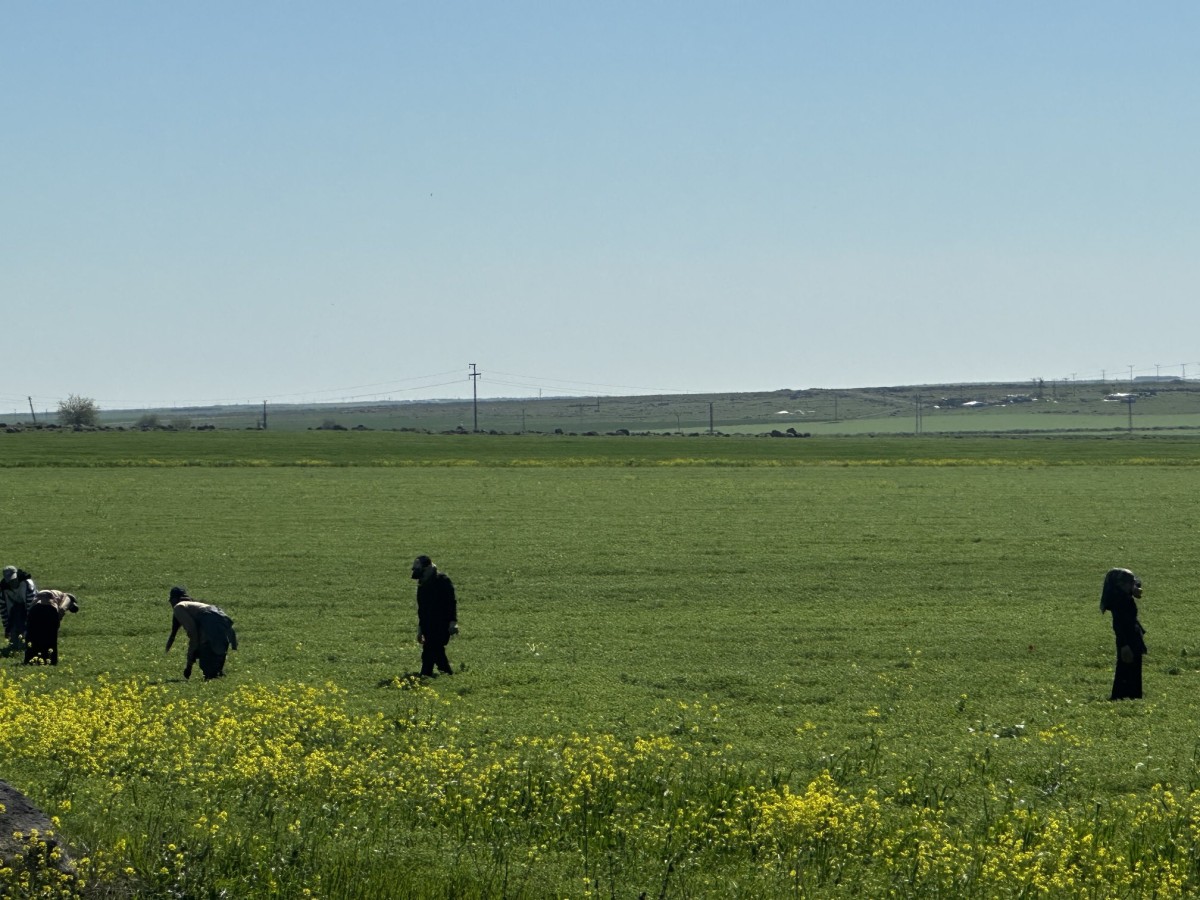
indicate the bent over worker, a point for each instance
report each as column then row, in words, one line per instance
column 209, row 630
column 45, row 616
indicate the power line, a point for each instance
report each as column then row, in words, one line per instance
column 359, row 387
column 392, row 387
column 623, row 387
column 536, row 387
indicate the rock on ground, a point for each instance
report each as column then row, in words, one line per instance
column 18, row 814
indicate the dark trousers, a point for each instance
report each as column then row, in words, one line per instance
column 41, row 634
column 433, row 653
column 1127, row 681
column 212, row 663
column 15, row 629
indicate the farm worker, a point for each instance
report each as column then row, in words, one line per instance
column 17, row 593
column 437, row 615
column 45, row 617
column 1121, row 590
column 209, row 630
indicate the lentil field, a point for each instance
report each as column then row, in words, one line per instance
column 688, row 667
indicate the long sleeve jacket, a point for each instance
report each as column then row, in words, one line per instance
column 14, row 593
column 205, row 625
column 437, row 605
column 1126, row 626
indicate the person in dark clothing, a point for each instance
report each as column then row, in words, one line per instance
column 209, row 630
column 42, row 624
column 1119, row 596
column 437, row 615
column 17, row 593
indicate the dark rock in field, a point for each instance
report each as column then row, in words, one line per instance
column 17, row 814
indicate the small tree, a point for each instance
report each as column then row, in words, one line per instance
column 76, row 410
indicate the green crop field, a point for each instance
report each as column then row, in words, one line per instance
column 688, row 667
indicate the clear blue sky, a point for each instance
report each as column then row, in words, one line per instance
column 296, row 201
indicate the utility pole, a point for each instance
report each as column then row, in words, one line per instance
column 31, row 412
column 264, row 415
column 474, row 376
column 918, row 425
column 710, row 418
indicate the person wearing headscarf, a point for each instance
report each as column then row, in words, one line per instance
column 17, row 594
column 437, row 615
column 209, row 630
column 1122, row 589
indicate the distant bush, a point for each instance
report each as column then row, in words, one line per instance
column 76, row 410
column 181, row 423
column 148, row 421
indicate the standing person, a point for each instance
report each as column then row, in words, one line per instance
column 1119, row 596
column 17, row 594
column 209, row 630
column 437, row 615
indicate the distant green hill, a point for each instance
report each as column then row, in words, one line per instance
column 930, row 409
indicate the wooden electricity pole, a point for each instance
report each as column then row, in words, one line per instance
column 474, row 375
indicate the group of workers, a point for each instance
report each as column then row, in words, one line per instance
column 32, row 618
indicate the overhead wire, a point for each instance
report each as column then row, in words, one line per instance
column 596, row 384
